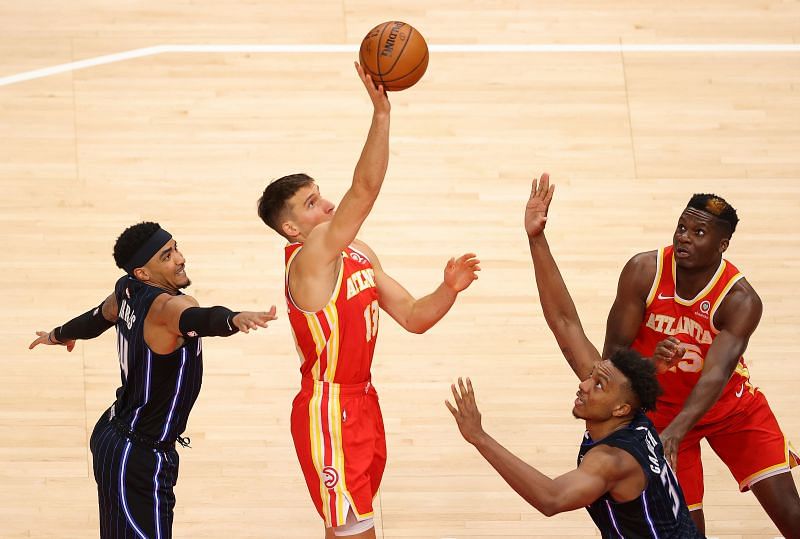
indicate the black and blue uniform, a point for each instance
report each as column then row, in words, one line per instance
column 660, row 511
column 133, row 443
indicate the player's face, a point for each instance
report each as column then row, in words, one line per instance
column 698, row 240
column 168, row 266
column 600, row 394
column 307, row 209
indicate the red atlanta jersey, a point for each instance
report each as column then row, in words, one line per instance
column 336, row 343
column 692, row 322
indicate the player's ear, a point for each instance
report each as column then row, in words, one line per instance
column 290, row 229
column 142, row 274
column 723, row 245
column 622, row 410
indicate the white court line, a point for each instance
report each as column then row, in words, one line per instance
column 490, row 48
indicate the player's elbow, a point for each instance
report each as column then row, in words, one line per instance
column 549, row 511
column 563, row 323
column 416, row 328
column 366, row 187
column 548, row 508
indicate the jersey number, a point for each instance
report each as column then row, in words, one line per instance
column 122, row 350
column 692, row 361
column 371, row 319
column 669, row 484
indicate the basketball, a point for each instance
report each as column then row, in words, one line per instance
column 394, row 54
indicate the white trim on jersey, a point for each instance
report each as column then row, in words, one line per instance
column 146, row 389
column 175, row 398
column 336, row 288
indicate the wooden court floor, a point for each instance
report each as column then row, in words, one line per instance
column 190, row 139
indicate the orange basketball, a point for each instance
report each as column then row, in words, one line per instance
column 394, row 54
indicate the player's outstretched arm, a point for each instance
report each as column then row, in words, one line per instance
column 419, row 315
column 328, row 241
column 182, row 316
column 599, row 471
column 557, row 305
column 89, row 325
column 737, row 319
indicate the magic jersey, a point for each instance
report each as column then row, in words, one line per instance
column 691, row 321
column 337, row 342
column 158, row 391
column 660, row 510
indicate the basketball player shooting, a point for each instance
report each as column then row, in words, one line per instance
column 335, row 285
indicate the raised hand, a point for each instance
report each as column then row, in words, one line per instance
column 538, row 204
column 48, row 339
column 460, row 272
column 247, row 320
column 376, row 93
column 466, row 412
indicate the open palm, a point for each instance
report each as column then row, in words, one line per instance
column 538, row 204
column 460, row 272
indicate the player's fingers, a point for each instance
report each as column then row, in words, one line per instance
column 273, row 312
column 463, row 389
column 456, row 396
column 470, row 391
column 544, row 183
column 549, row 196
column 534, row 187
column 70, row 346
column 673, row 461
column 450, row 407
column 34, row 344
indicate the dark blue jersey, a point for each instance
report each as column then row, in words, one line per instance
column 660, row 511
column 158, row 391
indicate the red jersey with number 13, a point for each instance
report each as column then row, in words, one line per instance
column 336, row 343
column 692, row 323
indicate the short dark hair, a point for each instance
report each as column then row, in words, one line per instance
column 641, row 375
column 273, row 202
column 716, row 206
column 131, row 239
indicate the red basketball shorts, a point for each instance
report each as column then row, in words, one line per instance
column 340, row 442
column 748, row 440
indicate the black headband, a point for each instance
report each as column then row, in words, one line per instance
column 147, row 250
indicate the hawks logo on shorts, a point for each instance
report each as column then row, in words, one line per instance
column 331, row 476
